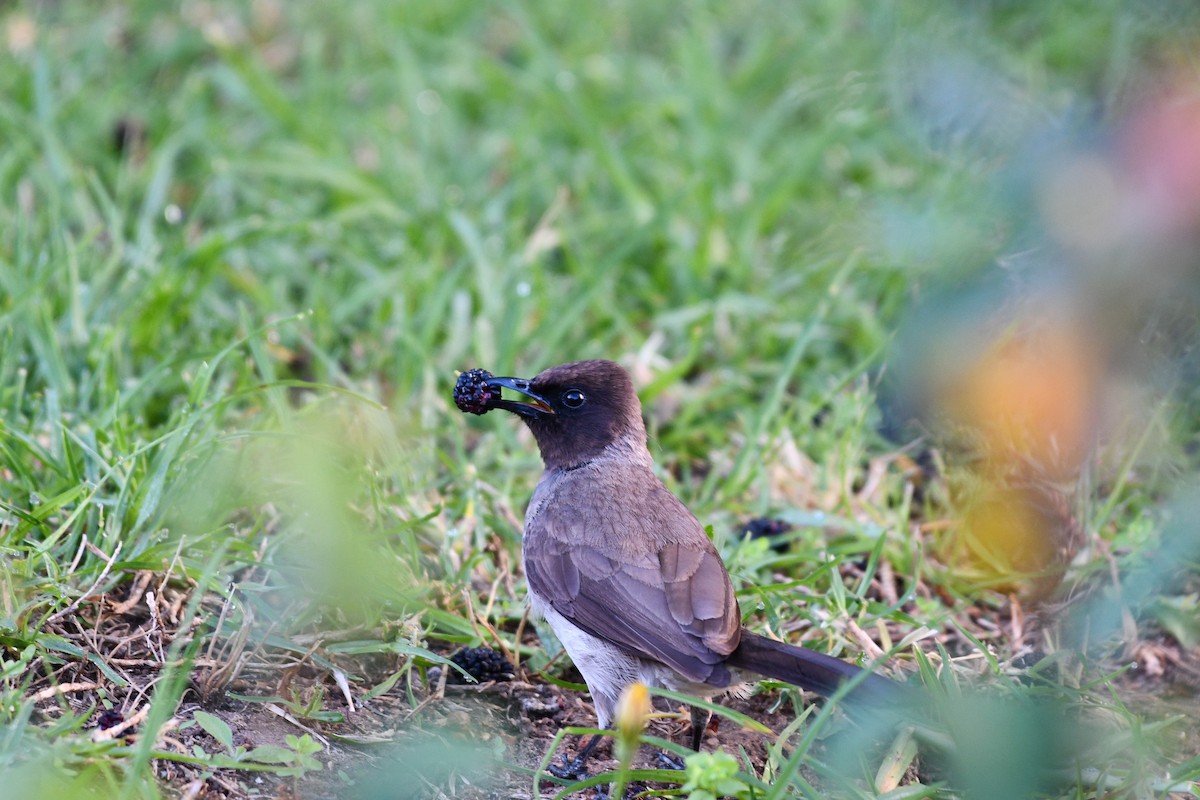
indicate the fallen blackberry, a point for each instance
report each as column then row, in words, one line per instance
column 109, row 718
column 471, row 392
column 481, row 663
column 770, row 529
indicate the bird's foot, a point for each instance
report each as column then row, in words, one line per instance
column 671, row 761
column 571, row 769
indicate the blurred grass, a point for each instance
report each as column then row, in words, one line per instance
column 243, row 247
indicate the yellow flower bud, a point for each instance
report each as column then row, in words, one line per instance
column 633, row 709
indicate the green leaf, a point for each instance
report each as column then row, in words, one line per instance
column 271, row 754
column 384, row 686
column 58, row 644
column 304, row 745
column 216, row 728
column 1180, row 617
column 108, row 671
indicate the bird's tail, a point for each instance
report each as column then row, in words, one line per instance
column 808, row 669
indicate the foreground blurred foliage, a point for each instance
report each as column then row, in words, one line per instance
column 920, row 281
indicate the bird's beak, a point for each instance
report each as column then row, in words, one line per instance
column 534, row 407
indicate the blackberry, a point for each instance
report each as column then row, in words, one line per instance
column 770, row 529
column 471, row 392
column 481, row 663
column 109, row 718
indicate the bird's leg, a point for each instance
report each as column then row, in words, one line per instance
column 573, row 769
column 700, row 717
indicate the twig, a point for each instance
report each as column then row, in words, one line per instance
column 156, row 662
column 78, row 600
column 517, row 638
column 212, row 644
column 1016, row 621
column 868, row 644
column 192, row 790
column 152, row 604
column 274, row 709
column 63, row 688
column 78, row 555
column 135, row 594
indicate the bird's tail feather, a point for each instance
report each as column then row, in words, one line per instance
column 807, row 669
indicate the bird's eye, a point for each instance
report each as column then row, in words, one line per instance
column 573, row 398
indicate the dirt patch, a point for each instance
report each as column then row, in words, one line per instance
column 423, row 738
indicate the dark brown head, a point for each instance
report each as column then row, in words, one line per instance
column 575, row 410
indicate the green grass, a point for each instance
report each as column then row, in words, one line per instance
column 226, row 349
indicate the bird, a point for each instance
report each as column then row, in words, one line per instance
column 620, row 569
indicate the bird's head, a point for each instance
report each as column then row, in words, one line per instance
column 574, row 410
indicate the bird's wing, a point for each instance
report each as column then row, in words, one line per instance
column 671, row 601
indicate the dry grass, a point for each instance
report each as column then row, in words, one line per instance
column 243, row 250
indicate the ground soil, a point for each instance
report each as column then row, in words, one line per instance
column 424, row 738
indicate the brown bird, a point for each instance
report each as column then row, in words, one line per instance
column 621, row 570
